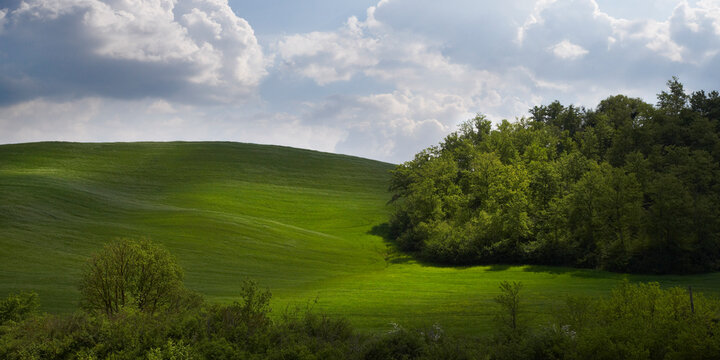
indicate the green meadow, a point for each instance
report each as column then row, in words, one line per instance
column 305, row 224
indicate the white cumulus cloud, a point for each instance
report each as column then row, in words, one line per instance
column 200, row 42
column 431, row 92
column 567, row 50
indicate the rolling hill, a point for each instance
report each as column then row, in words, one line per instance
column 303, row 223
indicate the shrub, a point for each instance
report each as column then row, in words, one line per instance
column 17, row 307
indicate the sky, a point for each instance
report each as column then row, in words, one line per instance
column 378, row 79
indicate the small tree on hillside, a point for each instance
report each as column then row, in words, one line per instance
column 126, row 272
column 509, row 301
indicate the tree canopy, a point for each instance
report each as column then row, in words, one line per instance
column 136, row 273
column 627, row 186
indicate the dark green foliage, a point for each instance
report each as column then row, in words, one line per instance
column 244, row 323
column 241, row 330
column 509, row 302
column 640, row 321
column 625, row 187
column 135, row 273
column 17, row 307
column 396, row 344
column 643, row 321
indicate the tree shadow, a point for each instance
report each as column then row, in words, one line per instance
column 391, row 253
column 574, row 272
column 499, row 267
column 381, row 230
column 394, row 255
column 553, row 270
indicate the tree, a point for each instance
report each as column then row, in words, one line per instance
column 627, row 186
column 675, row 100
column 509, row 301
column 126, row 272
column 245, row 320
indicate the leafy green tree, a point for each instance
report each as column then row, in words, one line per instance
column 509, row 302
column 627, row 117
column 585, row 219
column 670, row 224
column 622, row 228
column 136, row 273
column 624, row 186
column 674, row 100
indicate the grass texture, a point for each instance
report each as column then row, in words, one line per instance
column 303, row 223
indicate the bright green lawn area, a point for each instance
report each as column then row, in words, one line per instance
column 300, row 222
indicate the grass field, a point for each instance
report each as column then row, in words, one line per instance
column 300, row 222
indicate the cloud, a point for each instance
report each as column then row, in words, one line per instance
column 534, row 18
column 697, row 29
column 383, row 84
column 3, row 19
column 100, row 119
column 433, row 86
column 196, row 49
column 160, row 107
column 431, row 93
column 688, row 35
column 568, row 51
column 387, row 125
column 327, row 57
column 635, row 55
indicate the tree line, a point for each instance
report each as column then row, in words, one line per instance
column 626, row 186
column 639, row 321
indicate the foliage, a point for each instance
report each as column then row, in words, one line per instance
column 644, row 321
column 626, row 187
column 17, row 307
column 509, row 302
column 126, row 272
column 245, row 321
column 640, row 321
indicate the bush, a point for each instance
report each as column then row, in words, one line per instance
column 396, row 344
column 17, row 307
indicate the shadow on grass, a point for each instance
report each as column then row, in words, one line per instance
column 391, row 253
column 499, row 267
column 574, row 272
column 394, row 255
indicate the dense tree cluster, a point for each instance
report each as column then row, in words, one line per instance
column 626, row 186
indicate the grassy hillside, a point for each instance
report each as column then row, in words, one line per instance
column 300, row 222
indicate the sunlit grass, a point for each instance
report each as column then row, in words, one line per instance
column 300, row 222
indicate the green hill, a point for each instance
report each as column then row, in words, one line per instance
column 300, row 222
